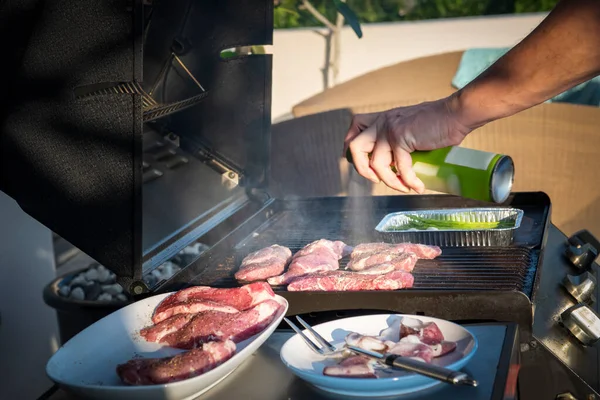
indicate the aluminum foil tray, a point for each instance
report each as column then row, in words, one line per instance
column 391, row 227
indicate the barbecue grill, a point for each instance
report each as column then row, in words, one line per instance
column 133, row 173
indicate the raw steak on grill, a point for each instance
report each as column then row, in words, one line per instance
column 321, row 255
column 420, row 250
column 365, row 248
column 339, row 248
column 352, row 367
column 351, row 281
column 240, row 298
column 154, row 371
column 265, row 263
column 372, row 262
column 211, row 325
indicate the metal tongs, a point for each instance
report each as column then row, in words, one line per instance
column 392, row 360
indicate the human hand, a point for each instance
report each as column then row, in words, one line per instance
column 391, row 136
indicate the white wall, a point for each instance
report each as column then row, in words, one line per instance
column 299, row 54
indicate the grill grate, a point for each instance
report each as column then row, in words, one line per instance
column 455, row 269
column 295, row 224
column 485, row 268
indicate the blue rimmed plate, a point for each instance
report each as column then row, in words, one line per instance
column 309, row 366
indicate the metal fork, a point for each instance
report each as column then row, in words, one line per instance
column 392, row 360
column 326, row 349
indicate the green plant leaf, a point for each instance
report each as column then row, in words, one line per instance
column 286, row 10
column 349, row 15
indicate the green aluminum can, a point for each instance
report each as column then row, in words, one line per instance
column 464, row 172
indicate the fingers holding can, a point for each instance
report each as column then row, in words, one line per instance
column 361, row 146
column 381, row 160
column 401, row 141
column 359, row 123
column 404, row 167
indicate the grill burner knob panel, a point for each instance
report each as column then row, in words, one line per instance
column 581, row 287
column 582, row 322
column 582, row 249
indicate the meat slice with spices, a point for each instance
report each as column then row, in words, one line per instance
column 413, row 349
column 155, row 333
column 365, row 342
column 427, row 332
column 414, row 346
column 264, row 263
column 320, row 255
column 213, row 325
column 241, row 298
column 331, row 281
column 422, row 251
column 442, row 348
column 352, row 367
column 366, row 250
column 371, row 262
column 155, row 371
column 192, row 307
column 337, row 247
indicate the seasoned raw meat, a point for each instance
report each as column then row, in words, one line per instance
column 240, row 298
column 410, row 326
column 321, row 255
column 191, row 307
column 154, row 371
column 351, row 281
column 443, row 348
column 372, row 262
column 370, row 343
column 352, row 367
column 155, row 333
column 265, row 263
column 428, row 332
column 365, row 248
column 380, row 269
column 337, row 247
column 431, row 334
column 420, row 250
column 411, row 349
column 212, row 325
column 413, row 344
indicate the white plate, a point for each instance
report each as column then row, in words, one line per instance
column 309, row 366
column 86, row 364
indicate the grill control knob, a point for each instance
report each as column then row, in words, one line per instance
column 581, row 287
column 582, row 249
column 582, row 322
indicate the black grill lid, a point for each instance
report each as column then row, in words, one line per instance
column 71, row 151
column 232, row 123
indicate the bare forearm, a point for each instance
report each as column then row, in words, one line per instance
column 562, row 52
